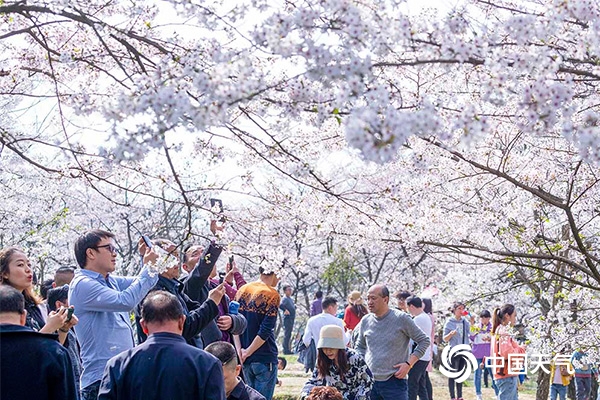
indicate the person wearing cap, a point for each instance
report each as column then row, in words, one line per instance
column 383, row 337
column 259, row 304
column 355, row 310
column 339, row 367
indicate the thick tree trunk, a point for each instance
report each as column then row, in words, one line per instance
column 543, row 386
column 571, row 390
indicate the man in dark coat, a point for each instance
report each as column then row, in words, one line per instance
column 33, row 365
column 198, row 315
column 235, row 388
column 197, row 285
column 164, row 366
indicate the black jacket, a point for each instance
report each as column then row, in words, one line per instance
column 198, row 316
column 163, row 367
column 196, row 286
column 244, row 392
column 34, row 366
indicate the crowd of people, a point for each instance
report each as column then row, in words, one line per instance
column 189, row 332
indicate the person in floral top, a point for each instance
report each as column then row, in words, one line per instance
column 339, row 367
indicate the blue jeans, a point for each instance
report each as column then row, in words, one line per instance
column 556, row 389
column 583, row 387
column 261, row 377
column 478, row 375
column 392, row 389
column 90, row 392
column 507, row 388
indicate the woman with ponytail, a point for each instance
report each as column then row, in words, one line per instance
column 503, row 344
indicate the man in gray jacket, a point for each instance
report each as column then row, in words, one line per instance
column 383, row 339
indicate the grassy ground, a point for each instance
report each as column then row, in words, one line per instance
column 294, row 377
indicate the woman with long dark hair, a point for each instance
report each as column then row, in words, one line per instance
column 15, row 270
column 503, row 344
column 339, row 367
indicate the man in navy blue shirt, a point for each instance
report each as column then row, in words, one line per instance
column 235, row 388
column 164, row 366
column 33, row 365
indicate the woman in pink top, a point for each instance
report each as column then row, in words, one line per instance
column 503, row 346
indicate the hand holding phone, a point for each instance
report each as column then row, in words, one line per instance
column 229, row 266
column 221, row 277
column 147, row 241
column 70, row 311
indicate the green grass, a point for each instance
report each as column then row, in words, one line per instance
column 294, row 377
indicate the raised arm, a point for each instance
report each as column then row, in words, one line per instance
column 195, row 281
column 90, row 295
column 199, row 318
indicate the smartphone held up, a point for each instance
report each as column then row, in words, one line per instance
column 147, row 241
column 216, row 206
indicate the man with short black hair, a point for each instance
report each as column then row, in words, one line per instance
column 259, row 302
column 198, row 315
column 289, row 315
column 401, row 299
column 33, row 365
column 63, row 276
column 235, row 388
column 316, row 307
column 46, row 285
column 57, row 298
column 417, row 376
column 327, row 317
column 164, row 366
column 103, row 303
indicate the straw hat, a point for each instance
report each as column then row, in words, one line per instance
column 332, row 337
column 355, row 298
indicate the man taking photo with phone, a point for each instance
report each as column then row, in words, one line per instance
column 103, row 303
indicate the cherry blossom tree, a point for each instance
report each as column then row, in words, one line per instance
column 431, row 145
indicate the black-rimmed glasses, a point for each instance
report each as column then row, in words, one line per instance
column 110, row 247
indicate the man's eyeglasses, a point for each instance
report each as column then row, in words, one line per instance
column 110, row 247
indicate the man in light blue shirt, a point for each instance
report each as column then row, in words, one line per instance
column 102, row 303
